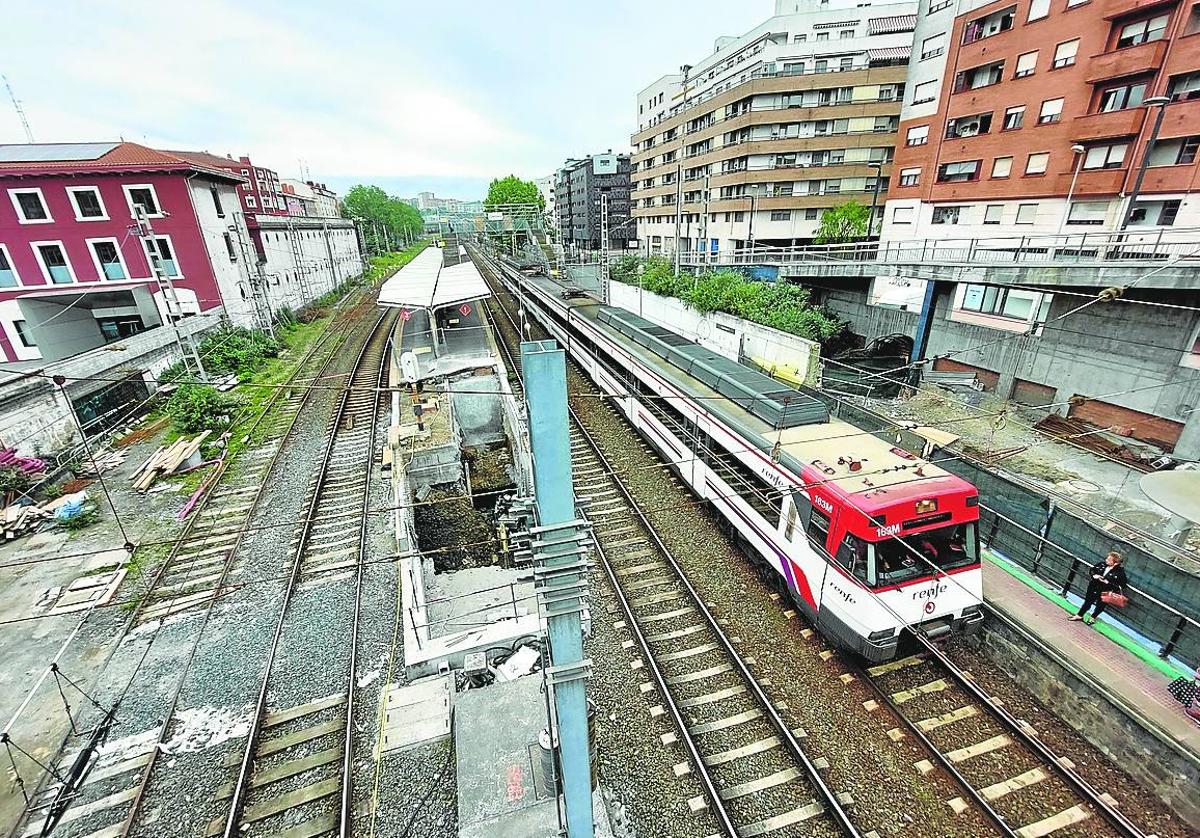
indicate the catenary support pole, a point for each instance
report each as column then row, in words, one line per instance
column 560, row 571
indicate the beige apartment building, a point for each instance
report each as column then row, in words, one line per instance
column 754, row 141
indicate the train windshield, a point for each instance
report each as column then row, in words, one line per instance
column 898, row 560
column 946, row 548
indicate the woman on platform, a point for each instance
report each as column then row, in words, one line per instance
column 1108, row 577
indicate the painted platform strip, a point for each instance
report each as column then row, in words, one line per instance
column 744, row 751
column 1065, row 818
column 798, row 815
column 984, row 747
column 997, row 790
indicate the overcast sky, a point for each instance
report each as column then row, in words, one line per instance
column 412, row 96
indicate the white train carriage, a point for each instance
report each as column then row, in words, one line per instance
column 869, row 538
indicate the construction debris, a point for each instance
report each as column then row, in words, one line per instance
column 100, row 462
column 168, row 459
column 21, row 518
column 30, row 465
column 1083, row 435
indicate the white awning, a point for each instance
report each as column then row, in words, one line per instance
column 889, row 54
column 426, row 283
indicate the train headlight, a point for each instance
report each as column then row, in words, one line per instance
column 927, row 505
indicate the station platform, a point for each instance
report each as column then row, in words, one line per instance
column 1099, row 679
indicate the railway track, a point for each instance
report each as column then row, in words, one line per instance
column 191, row 578
column 294, row 774
column 751, row 765
column 999, row 761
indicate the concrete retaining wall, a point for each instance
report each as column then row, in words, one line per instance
column 788, row 356
column 1153, row 760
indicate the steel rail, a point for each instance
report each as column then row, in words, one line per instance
column 241, row 784
column 833, row 805
column 180, row 542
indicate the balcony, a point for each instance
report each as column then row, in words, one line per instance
column 1111, row 9
column 1092, row 182
column 1143, row 58
column 1101, row 126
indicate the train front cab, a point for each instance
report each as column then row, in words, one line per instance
column 873, row 586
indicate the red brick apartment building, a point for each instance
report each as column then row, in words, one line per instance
column 1034, row 117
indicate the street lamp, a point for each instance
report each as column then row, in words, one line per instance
column 685, row 69
column 878, row 167
column 1078, row 151
column 1159, row 102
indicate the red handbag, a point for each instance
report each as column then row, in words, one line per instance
column 1115, row 599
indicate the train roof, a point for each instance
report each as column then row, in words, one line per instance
column 853, row 461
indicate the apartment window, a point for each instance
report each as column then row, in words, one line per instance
column 1026, row 64
column 1037, row 163
column 1003, row 302
column 946, row 215
column 1184, row 87
column 143, row 196
column 1177, row 151
column 903, row 215
column 1064, row 54
column 938, row 5
column 1087, row 213
column 926, row 91
column 918, row 135
column 966, row 170
column 969, row 126
column 989, row 25
column 1014, row 117
column 8, row 277
column 1154, row 213
column 799, row 39
column 30, row 206
column 166, row 255
column 106, row 255
column 87, row 203
column 822, row 36
column 910, row 177
column 846, row 33
column 1121, row 97
column 216, row 199
column 812, row 214
column 1073, row 3
column 1038, row 9
column 1051, row 111
column 1142, row 31
column 984, row 75
column 53, row 260
column 992, row 213
column 1105, row 156
column 933, row 46
column 1026, row 213
column 251, row 202
column 1002, row 167
column 23, row 334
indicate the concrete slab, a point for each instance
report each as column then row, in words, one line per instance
column 478, row 408
column 416, row 714
column 471, row 597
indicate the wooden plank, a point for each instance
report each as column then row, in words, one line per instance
column 291, row 800
column 310, row 828
column 288, row 769
column 300, row 736
column 276, row 717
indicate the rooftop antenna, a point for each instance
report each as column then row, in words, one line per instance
column 17, row 107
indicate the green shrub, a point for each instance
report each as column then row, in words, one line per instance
column 13, row 479
column 195, row 407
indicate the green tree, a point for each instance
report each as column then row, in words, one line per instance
column 513, row 190
column 384, row 219
column 844, row 223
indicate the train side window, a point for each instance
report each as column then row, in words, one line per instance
column 853, row 555
column 818, row 530
column 792, row 515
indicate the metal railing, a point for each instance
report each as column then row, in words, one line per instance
column 1132, row 246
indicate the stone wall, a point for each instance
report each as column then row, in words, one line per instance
column 1120, row 732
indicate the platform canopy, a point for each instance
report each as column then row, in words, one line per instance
column 427, row 282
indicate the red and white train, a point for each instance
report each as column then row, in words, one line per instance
column 870, row 539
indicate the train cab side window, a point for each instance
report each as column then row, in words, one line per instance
column 818, row 530
column 853, row 555
column 790, row 529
